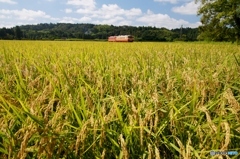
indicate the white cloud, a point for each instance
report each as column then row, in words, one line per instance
column 90, row 4
column 8, row 1
column 75, row 20
column 3, row 17
column 85, row 19
column 113, row 10
column 84, row 11
column 168, row 1
column 110, row 11
column 23, row 17
column 188, row 8
column 7, row 25
column 24, row 14
column 164, row 20
column 68, row 10
column 115, row 21
column 134, row 12
column 111, row 14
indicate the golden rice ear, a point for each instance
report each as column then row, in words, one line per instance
column 157, row 153
column 80, row 142
column 149, row 151
column 227, row 136
column 123, row 147
column 234, row 104
column 103, row 154
column 209, row 120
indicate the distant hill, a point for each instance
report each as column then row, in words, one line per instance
column 67, row 31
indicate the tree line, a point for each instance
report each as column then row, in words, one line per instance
column 63, row 31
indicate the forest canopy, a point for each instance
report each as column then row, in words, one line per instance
column 68, row 31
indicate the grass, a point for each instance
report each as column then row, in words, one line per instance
column 118, row 100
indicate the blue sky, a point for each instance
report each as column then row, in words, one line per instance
column 158, row 13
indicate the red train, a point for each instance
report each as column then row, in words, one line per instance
column 121, row 38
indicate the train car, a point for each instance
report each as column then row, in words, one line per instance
column 112, row 38
column 121, row 38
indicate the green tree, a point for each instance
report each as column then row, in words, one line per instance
column 219, row 18
column 18, row 33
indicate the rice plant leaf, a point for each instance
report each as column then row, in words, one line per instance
column 113, row 141
column 2, row 150
column 237, row 62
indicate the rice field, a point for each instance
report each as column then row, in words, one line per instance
column 100, row 100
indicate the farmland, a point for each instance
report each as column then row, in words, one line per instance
column 118, row 100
